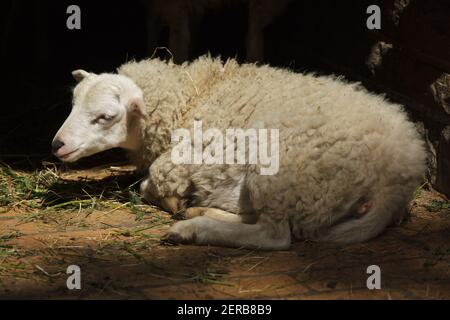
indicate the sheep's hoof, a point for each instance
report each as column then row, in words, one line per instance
column 175, row 238
column 181, row 232
column 180, row 215
column 171, row 204
column 170, row 239
column 189, row 213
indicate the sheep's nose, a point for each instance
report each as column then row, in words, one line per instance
column 56, row 145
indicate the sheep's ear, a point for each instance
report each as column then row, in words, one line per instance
column 79, row 74
column 137, row 106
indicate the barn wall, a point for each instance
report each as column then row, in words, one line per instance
column 408, row 59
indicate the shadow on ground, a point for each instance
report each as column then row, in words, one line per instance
column 118, row 250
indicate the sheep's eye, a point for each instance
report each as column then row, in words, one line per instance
column 103, row 118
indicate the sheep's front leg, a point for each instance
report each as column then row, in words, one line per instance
column 154, row 28
column 213, row 213
column 180, row 39
column 255, row 43
column 204, row 230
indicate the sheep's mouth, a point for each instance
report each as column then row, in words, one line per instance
column 68, row 154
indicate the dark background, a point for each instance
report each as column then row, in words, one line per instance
column 38, row 53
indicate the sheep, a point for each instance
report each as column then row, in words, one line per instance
column 349, row 160
column 183, row 16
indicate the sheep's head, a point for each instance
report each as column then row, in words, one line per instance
column 105, row 113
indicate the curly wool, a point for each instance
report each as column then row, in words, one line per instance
column 339, row 144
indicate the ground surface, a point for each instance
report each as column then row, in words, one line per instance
column 116, row 245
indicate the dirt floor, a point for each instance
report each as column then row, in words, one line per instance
column 118, row 249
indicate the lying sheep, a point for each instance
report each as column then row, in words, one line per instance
column 349, row 161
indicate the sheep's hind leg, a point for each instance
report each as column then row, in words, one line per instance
column 264, row 234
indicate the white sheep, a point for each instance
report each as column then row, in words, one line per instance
column 349, row 160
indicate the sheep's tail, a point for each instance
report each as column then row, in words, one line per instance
column 384, row 211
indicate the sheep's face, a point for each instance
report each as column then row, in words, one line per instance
column 105, row 113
